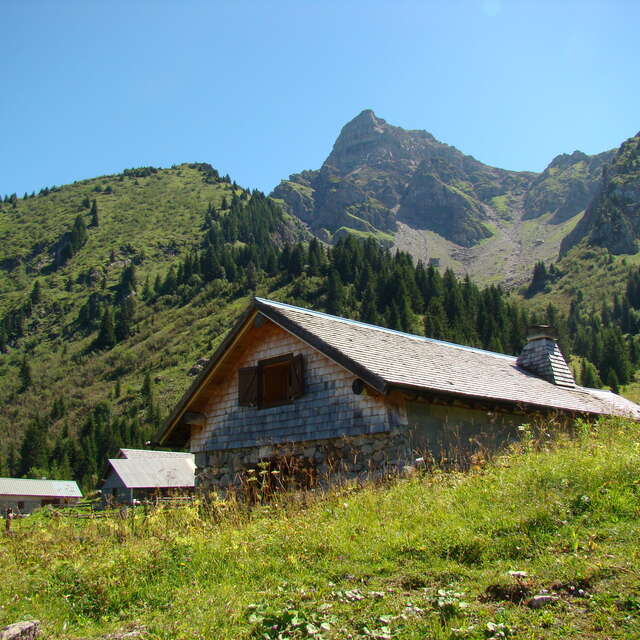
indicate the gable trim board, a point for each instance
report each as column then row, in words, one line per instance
column 387, row 360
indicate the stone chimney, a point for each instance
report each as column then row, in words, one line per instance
column 542, row 357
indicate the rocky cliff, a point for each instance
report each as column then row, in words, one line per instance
column 566, row 186
column 378, row 175
column 612, row 220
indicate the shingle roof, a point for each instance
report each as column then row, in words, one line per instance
column 148, row 453
column 146, row 472
column 386, row 358
column 39, row 488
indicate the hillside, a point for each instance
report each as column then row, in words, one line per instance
column 115, row 290
column 95, row 343
column 436, row 554
column 612, row 220
column 411, row 191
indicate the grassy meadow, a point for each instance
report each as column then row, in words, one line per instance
column 425, row 556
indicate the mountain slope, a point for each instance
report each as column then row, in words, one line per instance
column 410, row 190
column 612, row 220
column 566, row 186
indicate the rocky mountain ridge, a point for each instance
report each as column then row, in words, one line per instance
column 410, row 190
column 612, row 219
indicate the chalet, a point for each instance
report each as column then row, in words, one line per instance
column 141, row 473
column 289, row 383
column 24, row 495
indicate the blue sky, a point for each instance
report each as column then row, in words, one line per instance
column 260, row 89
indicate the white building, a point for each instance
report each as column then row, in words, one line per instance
column 25, row 495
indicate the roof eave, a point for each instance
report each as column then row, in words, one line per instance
column 204, row 376
column 501, row 402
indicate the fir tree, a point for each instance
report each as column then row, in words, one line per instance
column 36, row 293
column 34, row 451
column 612, row 381
column 95, row 221
column 26, row 378
column 106, row 338
column 336, row 295
column 78, row 234
column 124, row 319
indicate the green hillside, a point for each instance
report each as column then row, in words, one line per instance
column 146, row 219
column 58, row 374
column 439, row 555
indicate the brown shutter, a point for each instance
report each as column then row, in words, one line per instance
column 248, row 387
column 297, row 377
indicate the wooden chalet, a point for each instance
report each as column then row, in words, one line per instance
column 308, row 391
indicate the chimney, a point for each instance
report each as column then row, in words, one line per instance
column 542, row 357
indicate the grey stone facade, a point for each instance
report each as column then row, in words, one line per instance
column 345, row 457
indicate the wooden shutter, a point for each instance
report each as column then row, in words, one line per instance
column 248, row 387
column 297, row 377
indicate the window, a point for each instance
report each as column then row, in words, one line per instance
column 273, row 382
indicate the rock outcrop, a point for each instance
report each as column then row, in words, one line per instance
column 566, row 186
column 612, row 220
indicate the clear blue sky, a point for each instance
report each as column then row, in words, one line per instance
column 260, row 89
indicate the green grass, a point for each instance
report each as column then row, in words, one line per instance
column 412, row 558
column 381, row 236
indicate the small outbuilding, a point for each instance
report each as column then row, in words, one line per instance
column 138, row 474
column 24, row 495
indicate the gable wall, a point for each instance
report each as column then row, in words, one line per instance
column 328, row 408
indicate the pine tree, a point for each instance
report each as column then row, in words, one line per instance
column 538, row 280
column 36, row 293
column 435, row 321
column 124, row 319
column 95, row 221
column 106, row 338
column 369, row 310
column 34, row 451
column 170, row 282
column 589, row 376
column 78, row 234
column 25, row 375
column 612, row 381
column 251, row 277
column 128, row 281
column 336, row 295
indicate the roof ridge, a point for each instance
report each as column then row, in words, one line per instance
column 366, row 325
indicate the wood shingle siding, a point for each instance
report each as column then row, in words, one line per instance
column 328, row 408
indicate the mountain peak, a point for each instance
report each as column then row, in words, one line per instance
column 365, row 123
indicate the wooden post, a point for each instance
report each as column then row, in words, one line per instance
column 8, row 519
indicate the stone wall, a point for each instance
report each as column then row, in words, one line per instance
column 346, row 457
